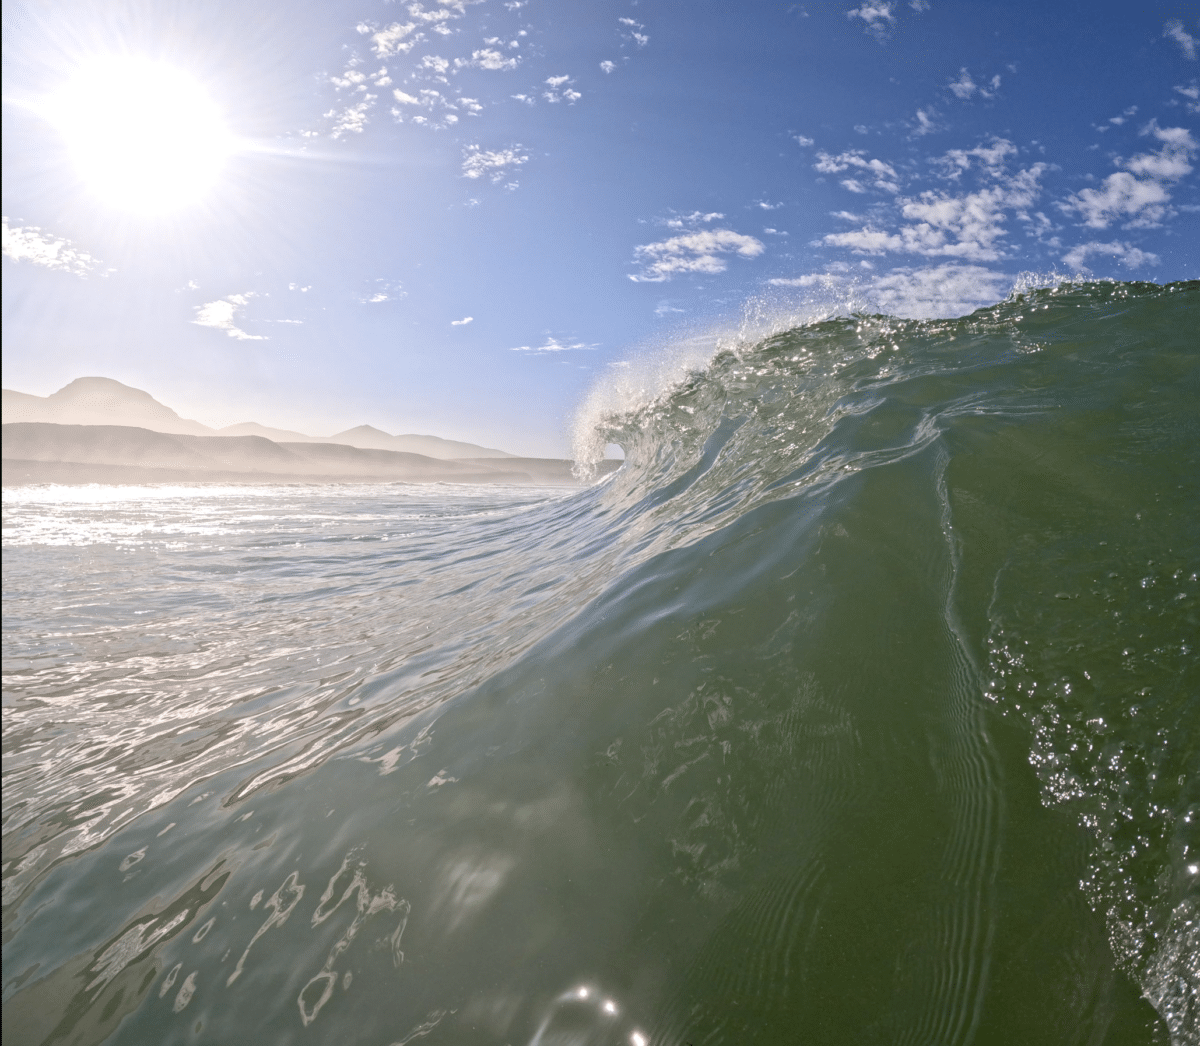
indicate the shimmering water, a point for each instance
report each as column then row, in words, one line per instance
column 861, row 706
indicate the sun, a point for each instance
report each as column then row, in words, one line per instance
column 144, row 136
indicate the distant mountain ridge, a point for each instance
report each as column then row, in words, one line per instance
column 105, row 401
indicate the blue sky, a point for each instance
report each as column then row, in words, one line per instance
column 457, row 217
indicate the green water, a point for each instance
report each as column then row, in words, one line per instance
column 861, row 706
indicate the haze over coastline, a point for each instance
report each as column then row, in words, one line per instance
column 96, row 430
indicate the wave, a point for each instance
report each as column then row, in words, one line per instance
column 816, row 714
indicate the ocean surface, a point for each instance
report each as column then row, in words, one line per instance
column 862, row 705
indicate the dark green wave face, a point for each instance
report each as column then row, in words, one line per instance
column 861, row 706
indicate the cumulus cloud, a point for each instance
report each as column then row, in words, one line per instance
column 803, row 140
column 608, row 66
column 691, row 221
column 392, row 39
column 1138, row 194
column 1128, row 255
column 1174, row 29
column 489, row 58
column 633, row 31
column 463, row 322
column 494, row 164
column 29, row 243
column 925, row 292
column 700, row 251
column 558, row 89
column 431, row 108
column 401, row 37
column 352, row 119
column 880, row 175
column 221, row 313
column 878, row 17
column 966, row 226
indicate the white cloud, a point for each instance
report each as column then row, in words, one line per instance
column 967, row 226
column 1174, row 29
column 351, row 119
column 1129, row 256
column 690, row 221
column 1139, row 192
column 925, row 122
column 488, row 58
column 30, row 244
column 394, row 39
column 919, row 5
column 430, row 108
column 926, row 292
column 559, row 90
column 877, row 15
column 882, row 175
column 608, row 66
column 700, row 251
column 803, row 140
column 553, row 345
column 220, row 315
column 1192, row 93
column 991, row 157
column 493, row 164
column 463, row 322
column 964, row 87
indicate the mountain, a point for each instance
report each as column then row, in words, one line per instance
column 40, row 452
column 103, row 401
column 46, row 452
column 368, row 437
column 99, row 401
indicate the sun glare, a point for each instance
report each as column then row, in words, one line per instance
column 144, row 136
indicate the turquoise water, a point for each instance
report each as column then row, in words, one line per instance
column 861, row 706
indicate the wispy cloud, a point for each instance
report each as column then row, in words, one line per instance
column 463, row 322
column 491, row 163
column 925, row 121
column 954, row 162
column 702, row 251
column 220, row 315
column 1174, row 29
column 877, row 16
column 552, row 344
column 608, row 66
column 29, row 243
column 965, row 87
column 878, row 174
column 1138, row 194
column 631, row 29
column 1128, row 255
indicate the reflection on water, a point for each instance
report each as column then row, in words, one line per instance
column 859, row 707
